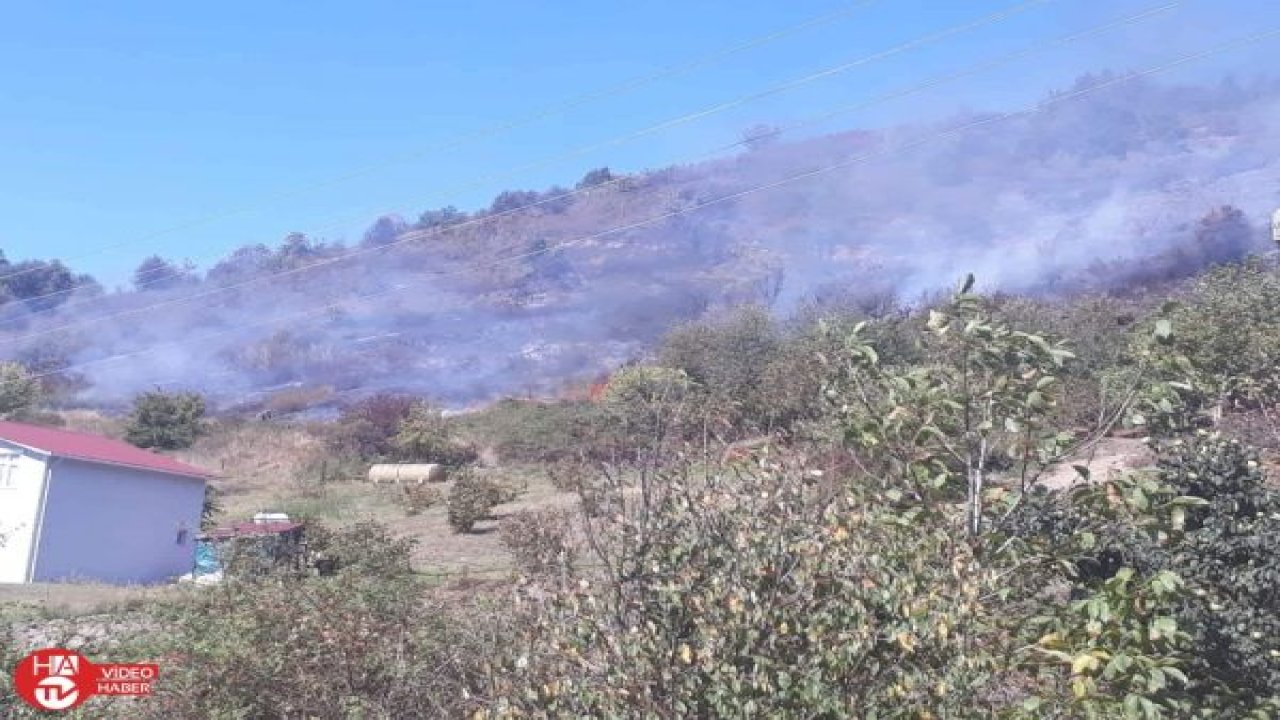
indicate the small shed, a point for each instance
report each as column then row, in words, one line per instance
column 264, row 545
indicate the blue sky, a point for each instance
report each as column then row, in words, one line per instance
column 189, row 129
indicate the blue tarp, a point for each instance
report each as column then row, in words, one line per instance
column 206, row 559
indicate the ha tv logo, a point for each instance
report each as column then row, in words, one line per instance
column 58, row 679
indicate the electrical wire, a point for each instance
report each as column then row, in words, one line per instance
column 688, row 117
column 849, row 162
column 497, row 129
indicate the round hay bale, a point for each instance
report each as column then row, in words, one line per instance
column 407, row 473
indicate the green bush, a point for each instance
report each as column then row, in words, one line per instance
column 425, row 436
column 763, row 596
column 367, row 642
column 540, row 540
column 1207, row 518
column 471, row 498
column 416, row 498
column 166, row 421
column 525, row 431
column 1228, row 557
column 366, row 429
column 20, row 391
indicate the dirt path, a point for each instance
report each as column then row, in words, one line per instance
column 1112, row 455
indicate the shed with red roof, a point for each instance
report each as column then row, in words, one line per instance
column 75, row 506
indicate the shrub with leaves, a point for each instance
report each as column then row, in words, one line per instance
column 1230, row 327
column 20, row 391
column 416, row 498
column 366, row 642
column 366, row 428
column 1206, row 522
column 567, row 475
column 1124, row 648
column 471, row 498
column 540, row 540
column 763, row 595
column 943, row 427
column 1228, row 557
column 166, row 421
column 425, row 436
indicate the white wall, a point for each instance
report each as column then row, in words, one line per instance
column 116, row 524
column 19, row 506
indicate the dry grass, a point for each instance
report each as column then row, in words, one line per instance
column 92, row 421
column 255, row 462
column 270, row 467
column 48, row 600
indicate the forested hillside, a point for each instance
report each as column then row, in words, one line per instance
column 1133, row 184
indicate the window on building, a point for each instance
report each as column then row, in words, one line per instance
column 8, row 471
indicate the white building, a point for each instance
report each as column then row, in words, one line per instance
column 75, row 506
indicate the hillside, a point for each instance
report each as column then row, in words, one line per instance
column 1137, row 183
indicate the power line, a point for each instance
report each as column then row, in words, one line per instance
column 1039, row 107
column 519, row 121
column 680, row 120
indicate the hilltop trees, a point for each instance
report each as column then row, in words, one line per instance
column 156, row 273
column 43, row 285
column 384, row 231
column 599, row 176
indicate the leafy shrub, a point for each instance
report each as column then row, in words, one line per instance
column 1228, row 558
column 1230, row 330
column 567, row 475
column 539, row 540
column 416, row 498
column 471, row 498
column 367, row 428
column 166, row 421
column 760, row 596
column 521, row 431
column 1207, row 519
column 362, row 643
column 19, row 390
column 425, row 436
column 364, row 548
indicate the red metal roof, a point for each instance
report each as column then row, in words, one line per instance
column 93, row 448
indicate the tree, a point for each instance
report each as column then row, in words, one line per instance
column 1224, row 235
column 946, row 424
column 166, row 421
column 509, row 200
column 599, row 176
column 425, row 436
column 368, row 427
column 156, row 273
column 728, row 358
column 242, row 264
column 19, row 390
column 442, row 218
column 385, row 230
column 43, row 285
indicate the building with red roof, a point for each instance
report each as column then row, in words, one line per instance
column 76, row 506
